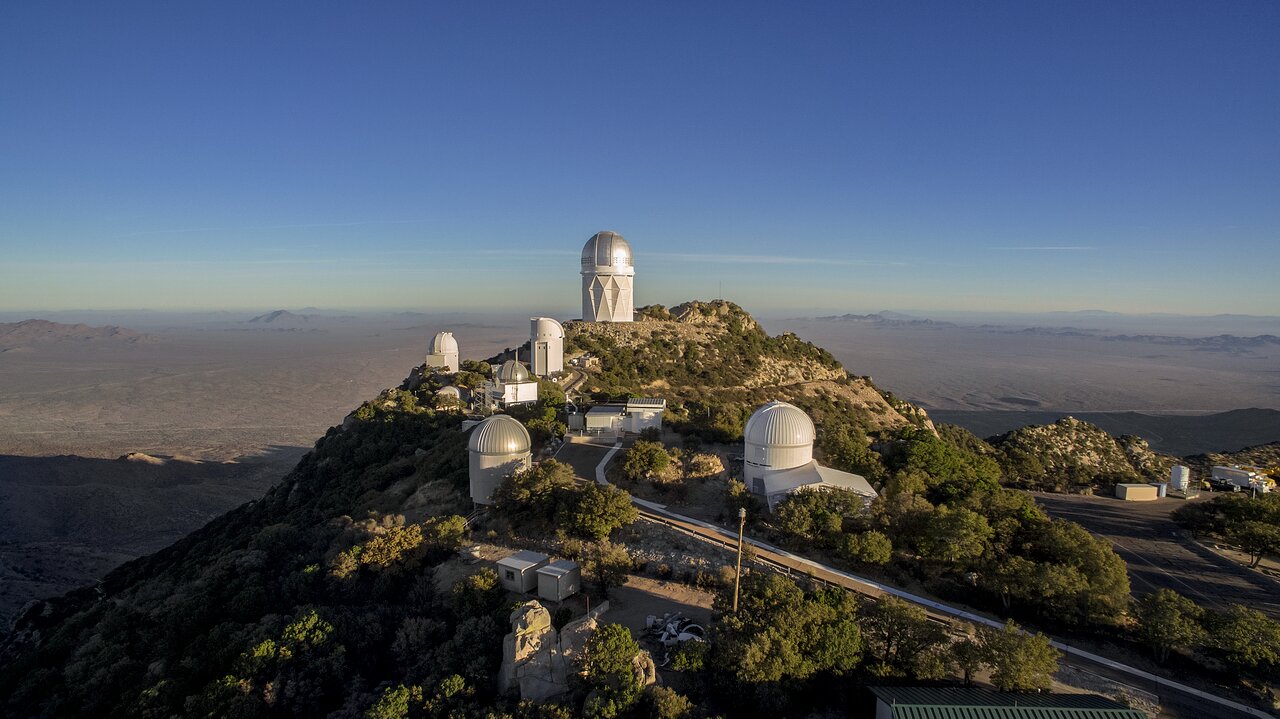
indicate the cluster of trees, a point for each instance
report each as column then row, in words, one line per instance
column 547, row 498
column 769, row 657
column 944, row 517
column 1241, row 640
column 1252, row 524
column 667, row 469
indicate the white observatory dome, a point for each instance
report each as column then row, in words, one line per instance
column 779, row 424
column 498, row 447
column 778, row 436
column 443, row 343
column 512, row 371
column 443, row 352
column 607, row 249
column 546, row 328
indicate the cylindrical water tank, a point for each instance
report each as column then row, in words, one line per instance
column 499, row 447
column 778, row 436
column 1180, row 478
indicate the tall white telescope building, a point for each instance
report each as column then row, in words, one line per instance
column 546, row 346
column 608, row 269
column 443, row 352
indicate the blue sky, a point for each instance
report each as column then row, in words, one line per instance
column 842, row 156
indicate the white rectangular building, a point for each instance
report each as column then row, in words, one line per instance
column 559, row 580
column 643, row 413
column 519, row 572
column 605, row 418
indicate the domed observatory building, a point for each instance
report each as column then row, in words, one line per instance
column 546, row 346
column 443, row 352
column 608, row 269
column 499, row 447
column 778, row 457
column 511, row 384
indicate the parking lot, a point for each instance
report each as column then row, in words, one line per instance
column 1145, row 536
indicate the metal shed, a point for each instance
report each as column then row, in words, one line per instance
column 607, row 418
column 519, row 572
column 559, row 580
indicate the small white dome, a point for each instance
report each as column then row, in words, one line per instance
column 499, row 434
column 606, row 249
column 513, row 371
column 546, row 328
column 450, row 390
column 779, row 424
column 443, row 343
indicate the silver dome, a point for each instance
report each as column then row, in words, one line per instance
column 499, row 434
column 778, row 424
column 606, row 249
column 513, row 371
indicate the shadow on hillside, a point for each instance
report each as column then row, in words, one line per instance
column 65, row 521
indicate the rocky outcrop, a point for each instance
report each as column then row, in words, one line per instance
column 537, row 661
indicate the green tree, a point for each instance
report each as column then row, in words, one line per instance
column 902, row 640
column 1167, row 621
column 1245, row 639
column 645, row 459
column 659, row 702
column 1257, row 538
column 607, row 662
column 602, row 509
column 607, row 564
column 1019, row 662
column 537, row 497
column 956, row 536
column 870, row 547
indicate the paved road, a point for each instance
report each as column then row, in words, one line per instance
column 1159, row 557
column 1176, row 700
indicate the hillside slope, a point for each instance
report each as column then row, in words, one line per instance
column 714, row 364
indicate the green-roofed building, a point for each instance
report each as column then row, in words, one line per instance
column 961, row 703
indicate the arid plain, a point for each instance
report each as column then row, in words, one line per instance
column 216, row 408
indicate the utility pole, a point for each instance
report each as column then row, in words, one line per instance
column 737, row 576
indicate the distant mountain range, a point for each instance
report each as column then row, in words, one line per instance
column 29, row 333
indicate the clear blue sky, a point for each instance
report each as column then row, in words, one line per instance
column 843, row 156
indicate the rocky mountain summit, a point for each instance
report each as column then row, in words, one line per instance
column 715, row 364
column 1071, row 452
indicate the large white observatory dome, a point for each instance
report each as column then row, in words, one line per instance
column 512, row 371
column 779, row 424
column 607, row 249
column 778, row 436
column 443, row 352
column 499, row 446
column 608, row 271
